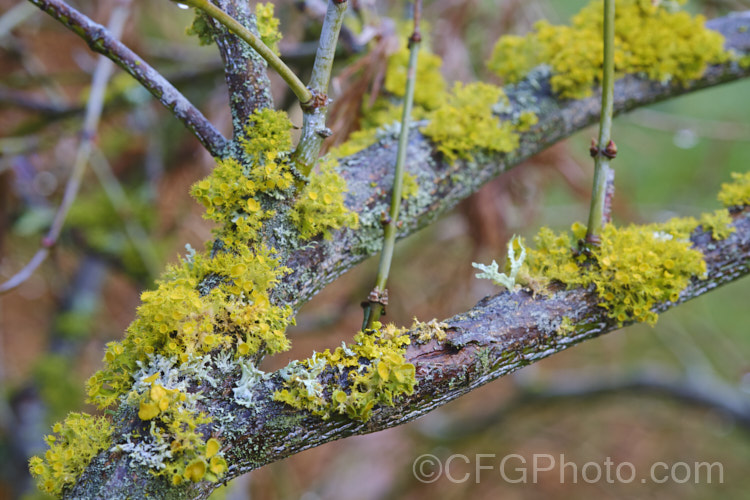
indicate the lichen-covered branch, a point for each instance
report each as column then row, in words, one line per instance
column 233, row 418
column 244, row 69
column 498, row 336
column 442, row 183
column 101, row 41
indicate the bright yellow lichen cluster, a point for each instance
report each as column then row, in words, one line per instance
column 79, row 438
column 467, row 123
column 462, row 121
column 320, row 207
column 211, row 302
column 736, row 193
column 178, row 319
column 634, row 268
column 429, row 94
column 175, row 419
column 651, row 40
column 430, row 91
column 384, row 375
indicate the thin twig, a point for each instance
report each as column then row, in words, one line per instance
column 605, row 149
column 314, row 130
column 378, row 298
column 94, row 106
column 291, row 79
column 101, row 40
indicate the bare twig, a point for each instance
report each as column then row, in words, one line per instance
column 101, row 40
column 378, row 298
column 314, row 129
column 93, row 112
column 604, row 150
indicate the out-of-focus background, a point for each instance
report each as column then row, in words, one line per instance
column 675, row 393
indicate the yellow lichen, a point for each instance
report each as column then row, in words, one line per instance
column 78, row 439
column 320, row 206
column 375, row 368
column 634, row 268
column 736, row 193
column 410, row 187
column 467, row 123
column 719, row 223
column 268, row 26
column 426, row 331
column 662, row 44
column 430, row 91
column 218, row 299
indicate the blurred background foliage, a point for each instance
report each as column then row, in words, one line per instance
column 136, row 216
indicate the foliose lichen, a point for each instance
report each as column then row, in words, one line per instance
column 736, row 193
column 76, row 441
column 466, row 122
column 658, row 41
column 209, row 307
column 373, row 368
column 633, row 269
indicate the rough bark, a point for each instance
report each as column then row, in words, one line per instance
column 244, row 70
column 498, row 336
column 443, row 184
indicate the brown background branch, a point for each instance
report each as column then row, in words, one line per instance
column 99, row 40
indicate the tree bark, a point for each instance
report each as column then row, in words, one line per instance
column 498, row 336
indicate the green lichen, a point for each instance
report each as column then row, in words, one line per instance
column 736, row 193
column 201, row 28
column 466, row 122
column 78, row 439
column 663, row 44
column 634, row 268
column 374, row 367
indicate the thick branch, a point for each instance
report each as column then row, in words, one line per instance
column 244, row 69
column 100, row 40
column 442, row 184
column 500, row 335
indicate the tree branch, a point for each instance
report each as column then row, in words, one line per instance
column 101, row 41
column 443, row 184
column 244, row 69
column 498, row 336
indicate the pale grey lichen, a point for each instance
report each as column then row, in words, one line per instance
column 251, row 376
column 492, row 272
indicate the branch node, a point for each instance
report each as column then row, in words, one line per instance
column 317, row 101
